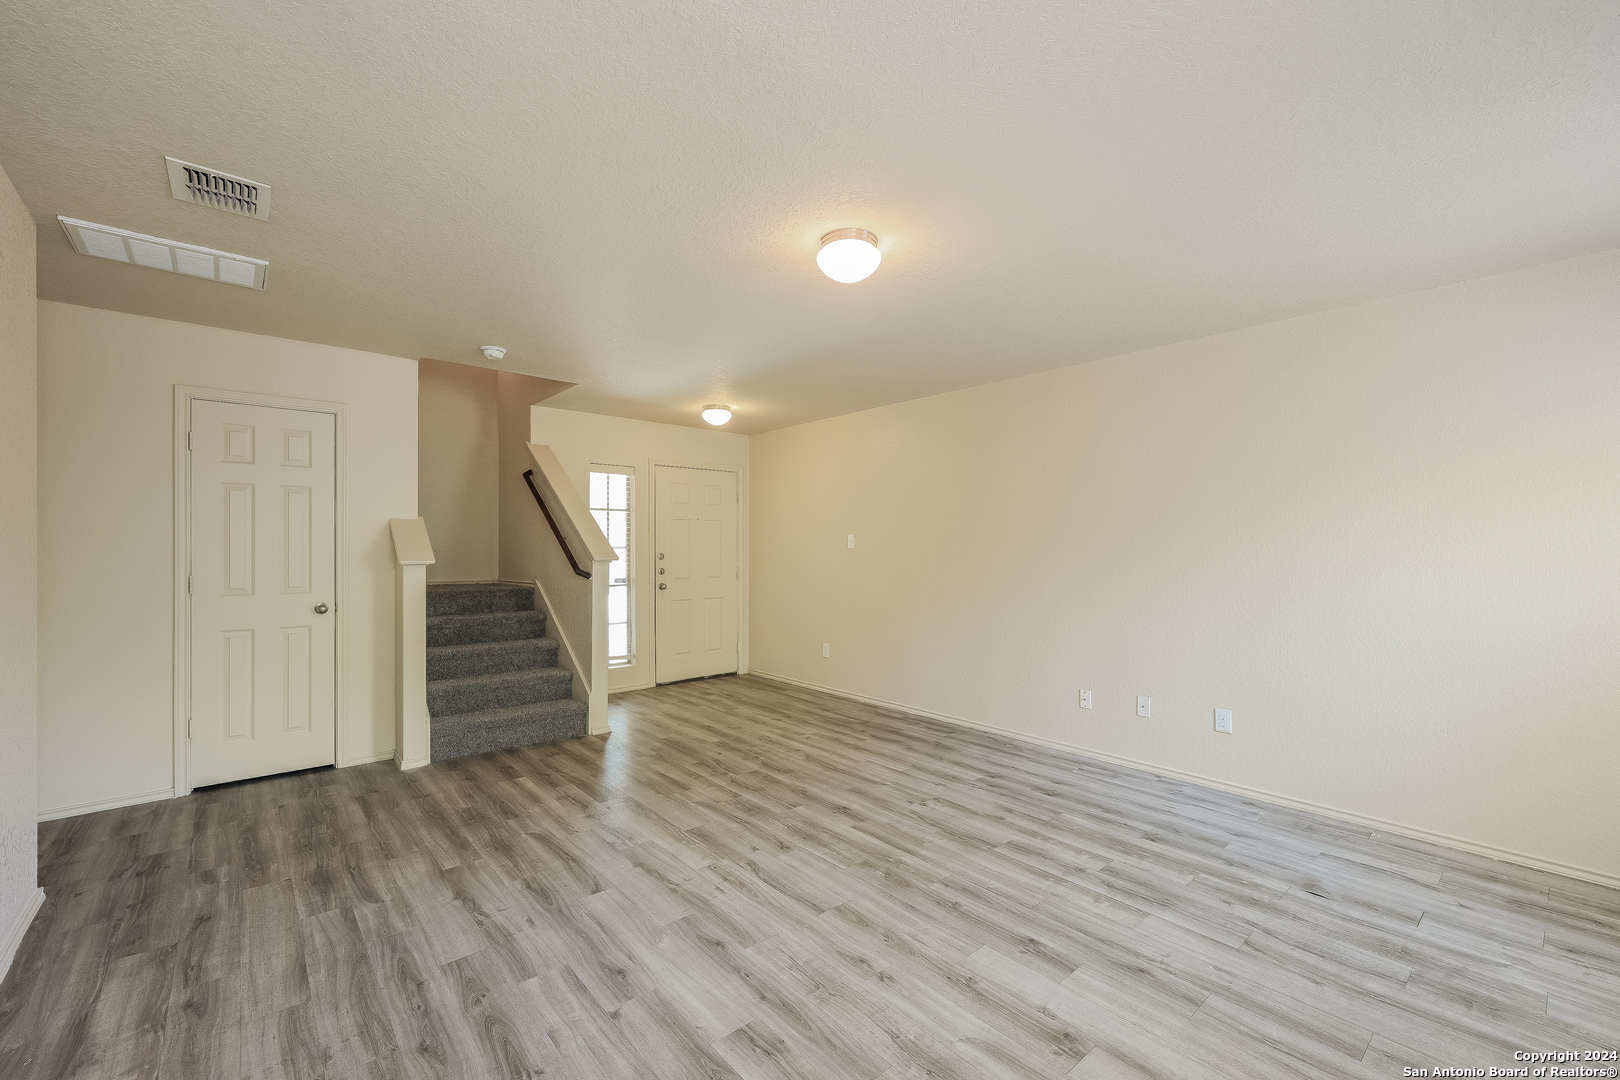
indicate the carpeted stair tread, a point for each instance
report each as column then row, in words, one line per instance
column 490, row 657
column 477, row 692
column 479, row 597
column 479, row 732
column 470, row 629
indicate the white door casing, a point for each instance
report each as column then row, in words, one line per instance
column 263, row 557
column 693, row 572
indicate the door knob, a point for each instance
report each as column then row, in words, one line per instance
column 321, row 609
column 660, row 556
column 660, row 569
column 663, row 584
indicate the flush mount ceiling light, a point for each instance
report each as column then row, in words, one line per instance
column 848, row 255
column 716, row 414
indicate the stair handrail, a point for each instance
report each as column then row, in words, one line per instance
column 528, row 478
column 577, row 531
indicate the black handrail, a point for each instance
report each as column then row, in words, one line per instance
column 529, row 479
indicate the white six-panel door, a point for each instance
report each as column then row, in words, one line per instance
column 263, row 547
column 694, row 572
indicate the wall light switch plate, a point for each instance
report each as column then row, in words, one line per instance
column 1144, row 706
column 826, row 651
column 851, row 539
column 1085, row 699
column 1223, row 720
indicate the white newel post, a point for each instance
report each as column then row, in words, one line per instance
column 597, row 700
column 412, row 554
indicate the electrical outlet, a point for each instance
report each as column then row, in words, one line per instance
column 1085, row 699
column 1223, row 721
column 1144, row 706
column 851, row 539
column 826, row 651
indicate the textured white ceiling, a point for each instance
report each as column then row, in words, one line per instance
column 628, row 195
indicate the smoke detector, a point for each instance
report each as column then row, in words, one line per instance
column 492, row 352
column 121, row 245
column 222, row 191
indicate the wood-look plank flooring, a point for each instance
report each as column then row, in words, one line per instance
column 753, row 881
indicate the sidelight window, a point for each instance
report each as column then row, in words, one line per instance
column 612, row 498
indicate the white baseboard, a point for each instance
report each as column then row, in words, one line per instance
column 739, row 671
column 13, row 937
column 105, row 804
column 368, row 759
column 76, row 809
column 1518, row 858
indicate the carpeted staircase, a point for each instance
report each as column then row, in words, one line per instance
column 493, row 679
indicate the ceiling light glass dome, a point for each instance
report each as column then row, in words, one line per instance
column 848, row 255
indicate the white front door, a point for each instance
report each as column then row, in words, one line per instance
column 694, row 570
column 263, row 543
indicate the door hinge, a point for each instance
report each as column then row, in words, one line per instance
column 188, row 584
column 188, row 440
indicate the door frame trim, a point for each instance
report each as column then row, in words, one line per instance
column 741, row 472
column 183, row 397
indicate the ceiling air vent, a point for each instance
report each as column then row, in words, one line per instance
column 210, row 187
column 121, row 245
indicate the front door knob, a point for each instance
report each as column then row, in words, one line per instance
column 663, row 584
column 321, row 609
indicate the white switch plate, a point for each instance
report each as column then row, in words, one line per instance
column 1085, row 699
column 851, row 539
column 1223, row 720
column 826, row 651
column 1144, row 706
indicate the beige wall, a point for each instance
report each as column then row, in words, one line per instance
column 579, row 439
column 107, row 532
column 18, row 565
column 457, row 432
column 1387, row 536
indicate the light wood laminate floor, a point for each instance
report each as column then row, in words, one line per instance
column 751, row 880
